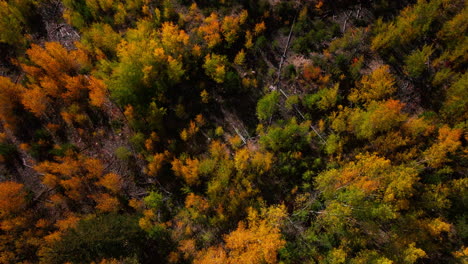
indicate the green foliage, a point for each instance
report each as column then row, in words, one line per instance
column 123, row 153
column 454, row 31
column 352, row 39
column 412, row 23
column 291, row 101
column 291, row 136
column 416, row 63
column 101, row 39
column 7, row 150
column 105, row 236
column 366, row 151
column 42, row 145
column 324, row 99
column 313, row 39
column 82, row 13
column 62, row 150
column 333, row 144
column 444, row 77
column 154, row 200
column 353, row 194
column 219, row 131
column 215, row 67
column 377, row 118
column 289, row 72
column 455, row 107
column 14, row 17
column 267, row 106
column 138, row 141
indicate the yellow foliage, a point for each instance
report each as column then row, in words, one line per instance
column 240, row 57
column 437, row 226
column 462, row 253
column 204, row 96
column 235, row 141
column 248, row 39
column 412, row 254
column 376, row 86
column 417, row 127
column 241, row 159
column 262, row 162
column 337, row 256
column 218, row 150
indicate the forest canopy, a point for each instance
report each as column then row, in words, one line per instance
column 238, row 132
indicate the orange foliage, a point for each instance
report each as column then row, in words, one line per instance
column 13, row 224
column 69, row 222
column 53, row 60
column 106, row 203
column 218, row 150
column 259, row 28
column 447, row 142
column 210, row 30
column 157, row 162
column 12, row 198
column 256, row 241
column 311, row 72
column 76, row 173
column 112, row 182
column 94, row 168
column 187, row 247
column 35, row 100
column 212, row 255
column 50, row 180
column 97, row 92
column 248, row 39
column 188, row 170
column 235, row 141
column 10, row 98
column 197, row 202
column 74, row 188
column 54, row 78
